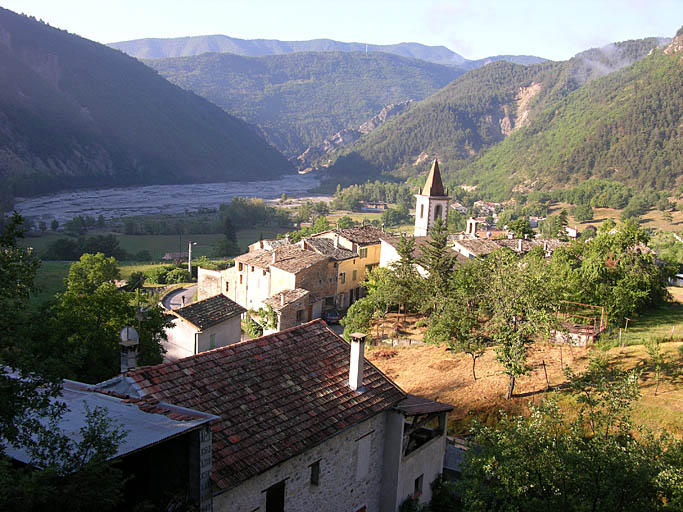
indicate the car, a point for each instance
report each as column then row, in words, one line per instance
column 331, row 316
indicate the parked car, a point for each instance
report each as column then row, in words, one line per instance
column 331, row 316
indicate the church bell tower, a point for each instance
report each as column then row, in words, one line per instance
column 432, row 203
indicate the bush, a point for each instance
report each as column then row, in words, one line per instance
column 178, row 275
column 143, row 255
column 157, row 275
column 251, row 328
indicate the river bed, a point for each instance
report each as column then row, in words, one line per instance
column 154, row 199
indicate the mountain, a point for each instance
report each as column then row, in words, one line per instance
column 74, row 113
column 626, row 126
column 300, row 99
column 479, row 110
column 196, row 45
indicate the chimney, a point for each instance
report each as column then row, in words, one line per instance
column 357, row 361
column 382, row 227
column 129, row 349
column 274, row 257
column 336, row 241
column 519, row 246
column 282, row 299
column 545, row 246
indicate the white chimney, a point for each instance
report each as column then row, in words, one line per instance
column 129, row 349
column 357, row 361
column 274, row 256
column 519, row 246
column 282, row 299
column 336, row 241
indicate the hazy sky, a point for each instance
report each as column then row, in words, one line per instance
column 555, row 29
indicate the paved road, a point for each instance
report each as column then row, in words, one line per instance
column 180, row 297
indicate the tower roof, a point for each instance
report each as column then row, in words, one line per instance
column 433, row 185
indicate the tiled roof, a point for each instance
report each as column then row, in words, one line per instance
column 208, row 312
column 433, row 186
column 420, row 242
column 528, row 244
column 277, row 396
column 290, row 296
column 362, row 235
column 325, row 246
column 479, row 247
column 414, row 404
column 290, row 258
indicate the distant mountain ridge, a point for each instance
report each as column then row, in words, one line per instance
column 300, row 99
column 155, row 48
column 74, row 113
column 158, row 48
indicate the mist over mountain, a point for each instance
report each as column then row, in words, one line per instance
column 75, row 113
column 300, row 99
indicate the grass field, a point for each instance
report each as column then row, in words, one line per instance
column 653, row 218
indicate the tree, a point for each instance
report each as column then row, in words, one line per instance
column 345, row 222
column 668, row 217
column 91, row 272
column 520, row 301
column 404, row 274
column 437, row 259
column 54, row 224
column 582, row 213
column 521, row 228
column 589, row 459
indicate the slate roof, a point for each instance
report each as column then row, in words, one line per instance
column 290, row 258
column 433, row 186
column 478, row 246
column 291, row 296
column 325, row 246
column 212, row 311
column 276, row 396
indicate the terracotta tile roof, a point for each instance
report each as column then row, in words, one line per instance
column 420, row 241
column 205, row 313
column 290, row 258
column 528, row 244
column 290, row 296
column 362, row 235
column 276, row 396
column 433, row 186
column 325, row 246
column 478, row 246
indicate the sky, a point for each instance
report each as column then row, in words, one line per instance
column 554, row 29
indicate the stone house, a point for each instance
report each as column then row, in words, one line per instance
column 364, row 243
column 293, row 307
column 260, row 274
column 204, row 325
column 305, row 423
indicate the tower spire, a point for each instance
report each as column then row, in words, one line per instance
column 434, row 186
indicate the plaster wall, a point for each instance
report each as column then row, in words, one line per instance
column 181, row 337
column 208, row 283
column 351, row 465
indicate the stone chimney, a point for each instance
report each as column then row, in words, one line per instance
column 336, row 241
column 357, row 362
column 129, row 349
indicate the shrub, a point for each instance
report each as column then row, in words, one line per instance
column 178, row 275
column 157, row 275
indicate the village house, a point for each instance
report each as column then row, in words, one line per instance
column 292, row 307
column 364, row 243
column 305, row 423
column 204, row 325
column 477, row 227
column 260, row 274
column 474, row 247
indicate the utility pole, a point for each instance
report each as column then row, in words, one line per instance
column 189, row 255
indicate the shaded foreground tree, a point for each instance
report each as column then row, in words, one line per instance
column 590, row 459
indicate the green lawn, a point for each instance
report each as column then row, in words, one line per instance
column 49, row 281
column 654, row 324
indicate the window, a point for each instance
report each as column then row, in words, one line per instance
column 300, row 315
column 241, row 276
column 239, row 267
column 364, row 252
column 422, row 211
column 418, row 486
column 227, row 287
column 342, row 277
column 264, row 272
column 437, row 211
column 275, row 497
column 363, row 449
column 354, row 276
column 212, row 341
column 315, row 473
column 252, row 268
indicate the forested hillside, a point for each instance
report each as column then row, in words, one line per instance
column 74, row 113
column 153, row 48
column 300, row 99
column 475, row 112
column 626, row 126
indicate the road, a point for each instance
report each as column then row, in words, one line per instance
column 180, row 297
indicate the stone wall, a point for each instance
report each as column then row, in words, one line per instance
column 316, row 280
column 208, row 283
column 351, row 465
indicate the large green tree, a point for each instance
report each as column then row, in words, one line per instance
column 438, row 260
column 590, row 458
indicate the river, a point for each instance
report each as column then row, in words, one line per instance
column 154, row 199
